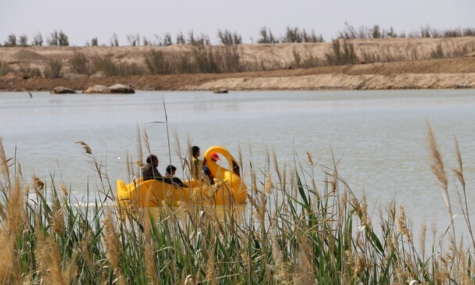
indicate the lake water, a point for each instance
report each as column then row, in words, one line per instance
column 379, row 137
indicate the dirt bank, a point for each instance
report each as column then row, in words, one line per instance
column 427, row 74
column 409, row 71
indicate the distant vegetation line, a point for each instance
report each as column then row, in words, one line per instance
column 227, row 37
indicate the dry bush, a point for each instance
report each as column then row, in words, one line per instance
column 29, row 72
column 79, row 63
column 228, row 38
column 267, row 37
column 295, row 35
column 54, row 69
column 58, row 39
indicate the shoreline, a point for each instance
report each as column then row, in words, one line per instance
column 249, row 83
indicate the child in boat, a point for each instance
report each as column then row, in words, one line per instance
column 170, row 174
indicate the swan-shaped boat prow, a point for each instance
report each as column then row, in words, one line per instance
column 229, row 187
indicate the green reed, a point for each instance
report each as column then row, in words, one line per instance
column 296, row 230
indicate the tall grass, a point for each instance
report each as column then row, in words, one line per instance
column 156, row 63
column 110, row 67
column 201, row 59
column 343, row 52
column 298, row 231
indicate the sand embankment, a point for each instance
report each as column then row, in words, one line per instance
column 409, row 67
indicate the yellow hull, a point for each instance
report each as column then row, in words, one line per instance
column 154, row 193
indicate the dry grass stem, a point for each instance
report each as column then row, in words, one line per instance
column 85, row 146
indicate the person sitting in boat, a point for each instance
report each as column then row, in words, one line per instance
column 170, row 174
column 207, row 172
column 150, row 170
column 196, row 163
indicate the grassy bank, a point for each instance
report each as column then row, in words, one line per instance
column 300, row 231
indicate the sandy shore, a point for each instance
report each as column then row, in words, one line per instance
column 430, row 74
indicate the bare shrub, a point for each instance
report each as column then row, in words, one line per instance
column 58, row 39
column 376, row 32
column 228, row 38
column 350, row 32
column 134, row 40
column 295, row 35
column 266, row 37
column 105, row 65
column 167, row 39
column 11, row 41
column 29, row 72
column 428, row 32
column 469, row 32
column 146, row 41
column 114, row 41
column 37, row 40
column 363, row 32
column 23, row 40
column 292, row 35
column 79, row 63
column 198, row 40
column 312, row 37
column 180, row 39
column 54, row 69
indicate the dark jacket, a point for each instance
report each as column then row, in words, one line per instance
column 150, row 172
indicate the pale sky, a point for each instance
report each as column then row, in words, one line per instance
column 85, row 19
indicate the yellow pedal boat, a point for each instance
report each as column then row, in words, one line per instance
column 229, row 187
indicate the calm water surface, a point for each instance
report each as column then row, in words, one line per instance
column 378, row 136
